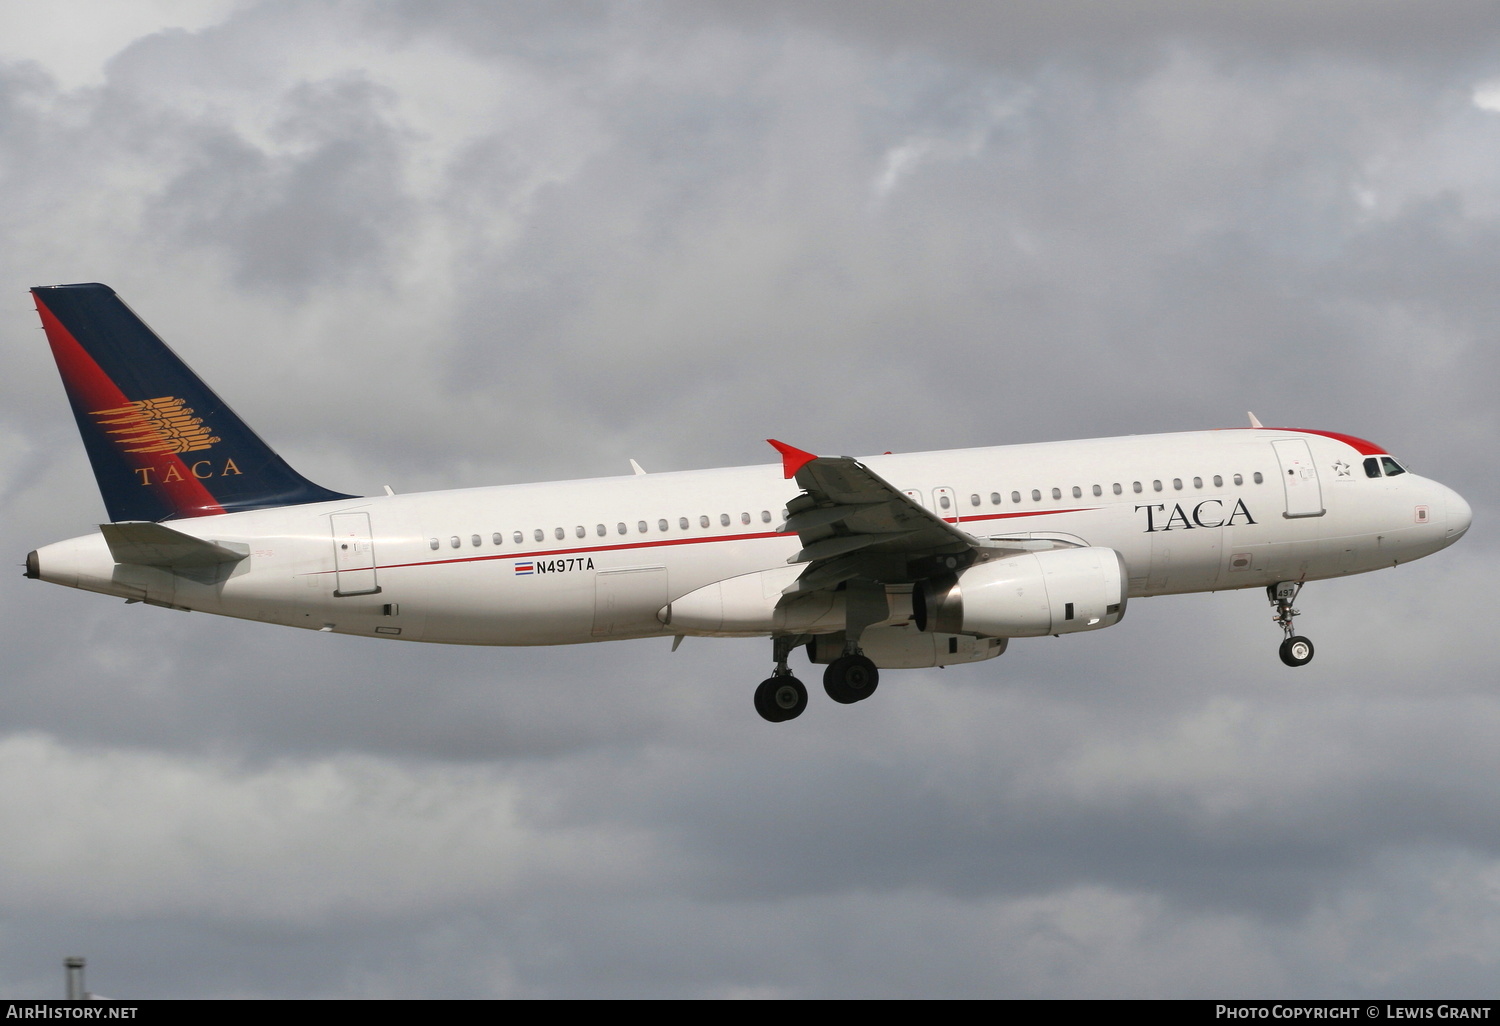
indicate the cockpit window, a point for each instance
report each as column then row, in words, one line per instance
column 1392, row 468
column 1372, row 467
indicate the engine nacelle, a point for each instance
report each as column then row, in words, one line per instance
column 1058, row 591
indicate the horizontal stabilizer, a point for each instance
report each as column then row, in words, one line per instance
column 146, row 544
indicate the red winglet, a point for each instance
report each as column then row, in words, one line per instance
column 793, row 459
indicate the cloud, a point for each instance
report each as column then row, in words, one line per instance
column 460, row 244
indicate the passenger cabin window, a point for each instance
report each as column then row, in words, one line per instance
column 1078, row 492
column 475, row 541
column 1392, row 468
column 1258, row 478
column 682, row 523
column 580, row 532
column 943, row 501
column 994, row 498
column 1015, row 496
column 1177, row 483
column 1197, row 482
column 1218, row 481
column 1036, row 495
column 558, row 533
column 538, row 534
column 1117, row 489
column 744, row 518
column 641, row 527
column 433, row 543
column 620, row 527
column 1239, row 479
column 1057, row 493
column 497, row 537
column 1156, row 486
column 661, row 525
column 1136, row 485
column 703, row 521
column 723, row 519
column 453, row 542
column 517, row 537
column 974, row 499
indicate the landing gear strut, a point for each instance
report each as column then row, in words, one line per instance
column 781, row 696
column 1295, row 650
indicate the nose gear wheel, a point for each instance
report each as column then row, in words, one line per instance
column 1296, row 651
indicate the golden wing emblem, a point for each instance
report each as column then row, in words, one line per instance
column 156, row 426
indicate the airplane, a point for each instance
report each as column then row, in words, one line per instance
column 891, row 561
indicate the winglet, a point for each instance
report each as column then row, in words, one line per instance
column 792, row 458
column 1255, row 421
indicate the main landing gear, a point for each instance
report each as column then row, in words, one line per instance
column 780, row 697
column 1295, row 650
column 850, row 678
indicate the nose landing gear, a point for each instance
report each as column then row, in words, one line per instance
column 1295, row 650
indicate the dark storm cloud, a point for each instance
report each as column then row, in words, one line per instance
column 456, row 244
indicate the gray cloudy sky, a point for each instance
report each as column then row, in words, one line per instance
column 448, row 244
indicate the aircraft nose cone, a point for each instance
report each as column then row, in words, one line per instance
column 1459, row 516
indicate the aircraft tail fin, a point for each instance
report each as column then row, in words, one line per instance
column 162, row 444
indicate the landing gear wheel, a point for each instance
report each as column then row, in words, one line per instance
column 1296, row 651
column 850, row 679
column 780, row 698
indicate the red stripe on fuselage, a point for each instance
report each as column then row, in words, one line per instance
column 554, row 553
column 90, row 389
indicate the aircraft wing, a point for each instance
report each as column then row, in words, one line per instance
column 854, row 524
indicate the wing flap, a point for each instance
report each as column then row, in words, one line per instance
column 839, row 544
column 814, row 517
column 853, row 524
column 829, row 574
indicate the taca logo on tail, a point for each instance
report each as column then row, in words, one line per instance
column 166, row 424
column 162, row 444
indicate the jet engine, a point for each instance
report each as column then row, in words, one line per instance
column 1058, row 591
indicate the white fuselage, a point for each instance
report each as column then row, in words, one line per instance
column 577, row 561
